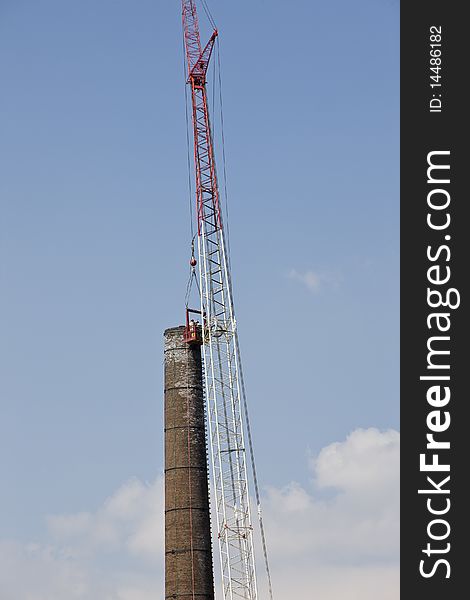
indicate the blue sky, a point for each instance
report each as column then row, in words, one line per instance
column 94, row 235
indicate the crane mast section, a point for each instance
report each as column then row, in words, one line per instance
column 192, row 41
column 220, row 348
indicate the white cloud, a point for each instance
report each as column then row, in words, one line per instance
column 308, row 582
column 315, row 281
column 40, row 572
column 366, row 463
column 339, row 537
column 336, row 537
column 130, row 520
column 308, row 278
column 51, row 572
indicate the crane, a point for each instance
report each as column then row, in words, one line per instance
column 227, row 416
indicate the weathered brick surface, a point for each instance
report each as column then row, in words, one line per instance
column 188, row 552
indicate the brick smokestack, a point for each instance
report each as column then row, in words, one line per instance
column 188, row 551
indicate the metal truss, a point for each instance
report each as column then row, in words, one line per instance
column 220, row 349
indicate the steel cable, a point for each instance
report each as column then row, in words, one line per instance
column 255, row 478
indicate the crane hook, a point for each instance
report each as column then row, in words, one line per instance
column 193, row 261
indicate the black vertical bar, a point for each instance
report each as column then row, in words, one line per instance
column 434, row 119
